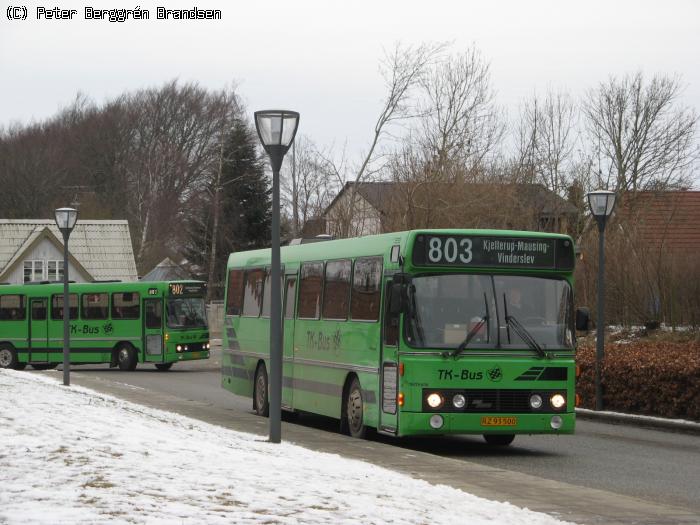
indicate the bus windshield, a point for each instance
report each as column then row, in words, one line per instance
column 494, row 309
column 186, row 312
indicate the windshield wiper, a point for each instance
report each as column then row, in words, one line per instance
column 472, row 333
column 475, row 330
column 526, row 336
column 417, row 325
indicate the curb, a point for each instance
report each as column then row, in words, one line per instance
column 677, row 425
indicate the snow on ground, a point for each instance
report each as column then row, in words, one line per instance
column 72, row 455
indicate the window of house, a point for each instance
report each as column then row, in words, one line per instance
column 366, row 294
column 54, row 270
column 310, row 291
column 336, row 291
column 33, row 270
column 234, row 299
column 57, row 307
column 126, row 305
column 12, row 308
column 95, row 306
column 253, row 292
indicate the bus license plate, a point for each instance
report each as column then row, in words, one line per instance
column 496, row 421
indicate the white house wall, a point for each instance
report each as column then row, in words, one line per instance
column 45, row 250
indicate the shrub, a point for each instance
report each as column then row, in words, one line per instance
column 644, row 377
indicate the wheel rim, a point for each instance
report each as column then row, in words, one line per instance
column 260, row 393
column 355, row 410
column 5, row 357
column 123, row 355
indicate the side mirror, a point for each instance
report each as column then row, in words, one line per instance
column 583, row 318
column 398, row 296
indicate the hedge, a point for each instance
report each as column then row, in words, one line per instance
column 644, row 377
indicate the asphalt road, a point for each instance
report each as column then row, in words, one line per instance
column 656, row 466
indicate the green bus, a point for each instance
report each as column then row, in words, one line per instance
column 422, row 332
column 120, row 323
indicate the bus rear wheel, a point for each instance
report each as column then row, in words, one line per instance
column 499, row 440
column 8, row 357
column 164, row 366
column 354, row 410
column 126, row 358
column 261, row 400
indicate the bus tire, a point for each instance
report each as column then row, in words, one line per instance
column 164, row 366
column 8, row 357
column 354, row 410
column 261, row 398
column 126, row 358
column 499, row 440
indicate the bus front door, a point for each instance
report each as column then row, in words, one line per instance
column 389, row 379
column 39, row 331
column 153, row 330
column 290, row 288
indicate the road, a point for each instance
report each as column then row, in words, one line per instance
column 655, row 466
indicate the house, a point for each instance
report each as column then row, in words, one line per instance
column 32, row 250
column 167, row 270
column 381, row 207
column 663, row 220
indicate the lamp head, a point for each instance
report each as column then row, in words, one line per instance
column 601, row 203
column 276, row 129
column 66, row 218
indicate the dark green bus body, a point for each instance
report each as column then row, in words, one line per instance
column 399, row 364
column 146, row 317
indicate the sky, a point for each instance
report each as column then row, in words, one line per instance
column 321, row 57
column 125, row 462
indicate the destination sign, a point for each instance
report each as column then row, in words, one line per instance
column 187, row 288
column 502, row 252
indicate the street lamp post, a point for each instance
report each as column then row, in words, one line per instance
column 276, row 130
column 65, row 220
column 601, row 203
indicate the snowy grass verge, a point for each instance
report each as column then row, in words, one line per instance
column 72, row 455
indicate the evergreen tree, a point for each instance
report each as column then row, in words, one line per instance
column 244, row 207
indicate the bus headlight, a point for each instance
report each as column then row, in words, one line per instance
column 458, row 401
column 558, row 401
column 536, row 401
column 178, row 348
column 556, row 422
column 434, row 400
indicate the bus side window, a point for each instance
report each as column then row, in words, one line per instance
column 336, row 291
column 391, row 321
column 310, row 289
column 290, row 298
column 95, row 306
column 253, row 292
column 154, row 314
column 57, row 306
column 366, row 294
column 234, row 292
column 12, row 308
column 126, row 305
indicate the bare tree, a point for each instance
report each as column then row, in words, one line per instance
column 644, row 137
column 546, row 140
column 460, row 123
column 309, row 184
column 403, row 70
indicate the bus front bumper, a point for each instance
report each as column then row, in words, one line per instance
column 419, row 423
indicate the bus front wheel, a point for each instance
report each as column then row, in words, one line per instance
column 261, row 400
column 8, row 357
column 499, row 440
column 354, row 410
column 126, row 358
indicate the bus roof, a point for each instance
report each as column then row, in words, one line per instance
column 370, row 245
